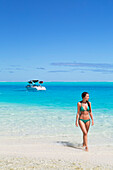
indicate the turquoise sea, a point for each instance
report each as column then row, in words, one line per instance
column 51, row 113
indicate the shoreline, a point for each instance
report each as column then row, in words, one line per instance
column 43, row 152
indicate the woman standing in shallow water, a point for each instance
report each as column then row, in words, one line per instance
column 83, row 117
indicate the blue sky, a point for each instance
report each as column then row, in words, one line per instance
column 56, row 40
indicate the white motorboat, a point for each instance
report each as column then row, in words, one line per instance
column 33, row 86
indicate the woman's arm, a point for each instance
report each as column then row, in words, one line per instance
column 91, row 115
column 78, row 111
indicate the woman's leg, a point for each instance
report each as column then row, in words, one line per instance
column 84, row 130
column 87, row 124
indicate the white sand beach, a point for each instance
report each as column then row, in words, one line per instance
column 46, row 153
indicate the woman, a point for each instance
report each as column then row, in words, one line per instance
column 83, row 117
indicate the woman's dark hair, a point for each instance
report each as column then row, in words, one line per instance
column 83, row 95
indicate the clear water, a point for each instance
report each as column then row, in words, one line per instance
column 52, row 112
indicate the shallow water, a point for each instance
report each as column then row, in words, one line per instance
column 52, row 112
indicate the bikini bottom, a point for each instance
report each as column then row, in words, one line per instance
column 85, row 121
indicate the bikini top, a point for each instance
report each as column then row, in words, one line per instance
column 82, row 109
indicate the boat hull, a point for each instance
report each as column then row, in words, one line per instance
column 35, row 88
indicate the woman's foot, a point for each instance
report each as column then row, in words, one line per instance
column 86, row 149
column 83, row 145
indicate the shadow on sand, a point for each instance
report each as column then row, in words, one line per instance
column 68, row 144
